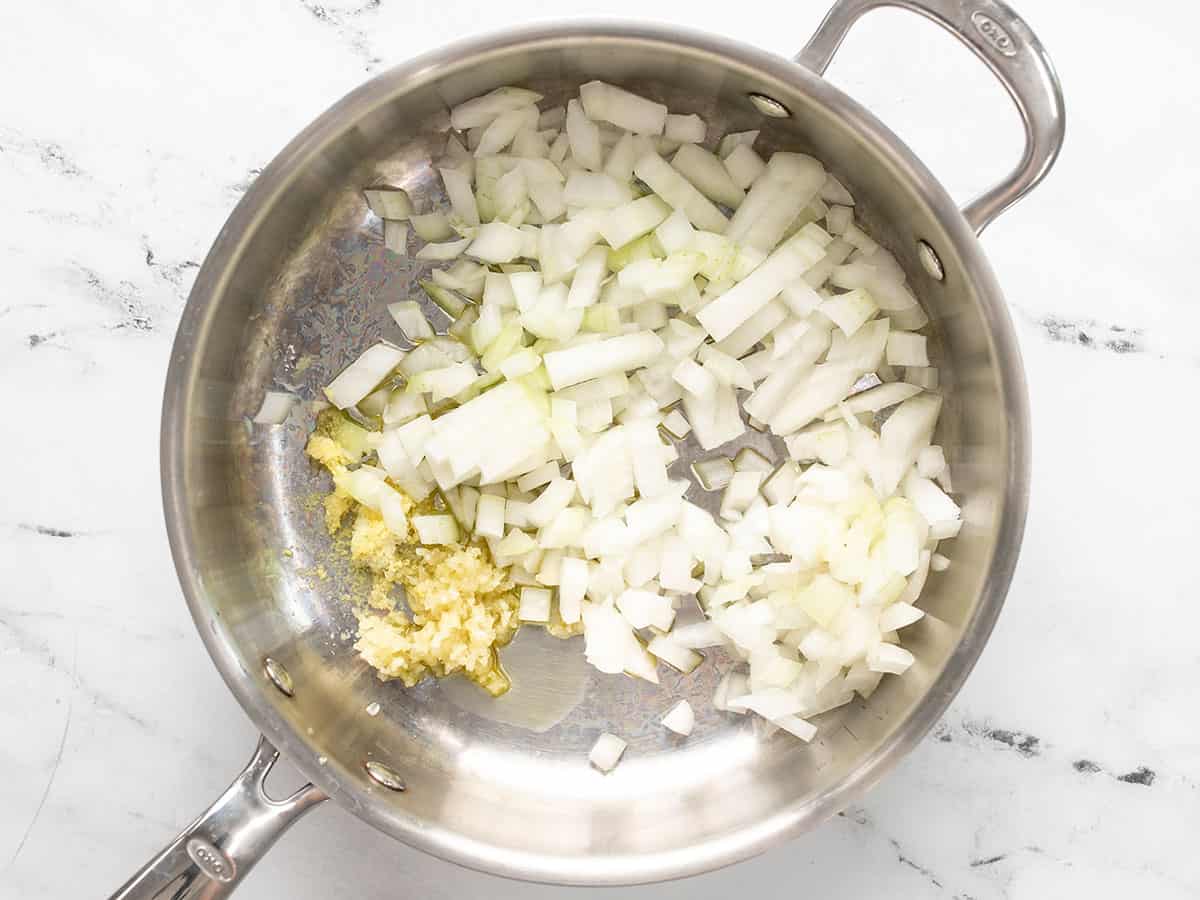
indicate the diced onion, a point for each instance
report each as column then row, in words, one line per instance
column 606, row 752
column 607, row 103
column 744, row 166
column 275, row 408
column 534, row 605
column 432, row 226
column 676, row 656
column 363, row 375
column 708, row 175
column 436, row 529
column 681, row 718
column 582, row 310
column 389, row 203
column 906, row 349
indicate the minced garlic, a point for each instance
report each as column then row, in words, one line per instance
column 461, row 607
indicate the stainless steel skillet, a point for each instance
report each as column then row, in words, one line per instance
column 295, row 285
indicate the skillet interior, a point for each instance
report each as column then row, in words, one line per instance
column 296, row 286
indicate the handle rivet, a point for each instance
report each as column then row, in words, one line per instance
column 930, row 260
column 768, row 106
column 279, row 676
column 384, row 775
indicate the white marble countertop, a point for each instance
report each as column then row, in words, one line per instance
column 1070, row 764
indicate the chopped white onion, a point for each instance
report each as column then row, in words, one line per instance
column 534, row 605
column 608, row 103
column 744, row 166
column 889, row 658
column 407, row 314
column 395, row 236
column 676, row 190
column 681, row 718
column 482, row 110
column 445, row 251
column 363, row 375
column 708, row 175
column 677, row 657
column 605, row 357
column 810, row 571
column 389, row 203
column 436, row 529
column 275, row 408
column 906, row 349
column 432, row 226
column 606, row 752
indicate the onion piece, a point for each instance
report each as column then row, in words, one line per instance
column 708, row 175
column 395, row 236
column 433, row 530
column 610, row 644
column 850, row 311
column 684, row 129
column 931, row 461
column 838, row 219
column 827, row 384
column 621, row 158
column 363, row 375
column 606, row 752
column 735, row 139
column 796, row 726
column 723, row 316
column 608, row 103
column 681, row 718
column 501, row 131
column 696, row 380
column 676, row 425
column 744, row 166
column 432, row 226
column 275, row 408
column 899, row 615
column 462, row 200
column 407, row 314
column 754, row 329
column 644, row 609
column 534, row 605
column 775, row 200
column 489, row 516
column 584, row 137
column 903, row 435
column 906, row 349
column 676, row 190
column 921, row 376
column 596, row 190
column 482, row 110
column 889, row 658
column 442, row 252
column 573, row 580
column 713, row 474
column 698, row 635
column 495, row 243
column 740, row 493
column 727, row 370
column 631, row 221
column 604, row 357
column 833, row 191
column 682, row 659
column 389, row 203
column 874, row 399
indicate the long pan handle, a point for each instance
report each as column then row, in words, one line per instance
column 1008, row 46
column 213, row 854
